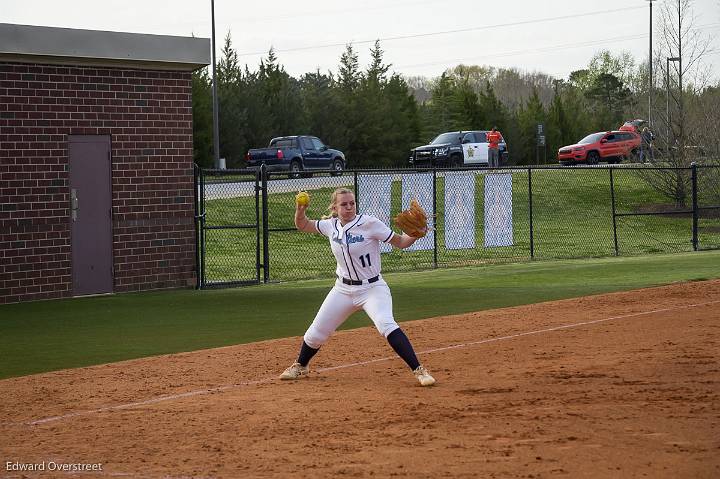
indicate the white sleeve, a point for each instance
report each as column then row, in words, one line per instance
column 324, row 227
column 381, row 231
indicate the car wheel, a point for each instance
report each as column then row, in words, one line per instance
column 456, row 161
column 295, row 169
column 593, row 158
column 337, row 167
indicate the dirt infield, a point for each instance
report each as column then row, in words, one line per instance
column 615, row 385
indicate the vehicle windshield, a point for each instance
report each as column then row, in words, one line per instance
column 446, row 138
column 591, row 138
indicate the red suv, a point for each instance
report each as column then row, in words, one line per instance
column 610, row 146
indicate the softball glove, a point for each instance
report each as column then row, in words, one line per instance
column 413, row 221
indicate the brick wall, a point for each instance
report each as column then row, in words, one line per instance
column 149, row 117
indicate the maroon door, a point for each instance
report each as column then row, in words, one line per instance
column 91, row 214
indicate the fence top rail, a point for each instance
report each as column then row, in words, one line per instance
column 225, row 172
column 252, row 172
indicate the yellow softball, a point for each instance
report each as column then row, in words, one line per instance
column 302, row 198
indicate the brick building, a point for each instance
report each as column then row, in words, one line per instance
column 96, row 161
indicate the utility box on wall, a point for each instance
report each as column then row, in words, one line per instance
column 96, row 161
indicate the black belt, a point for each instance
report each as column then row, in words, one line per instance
column 357, row 282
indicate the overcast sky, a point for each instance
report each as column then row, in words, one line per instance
column 419, row 37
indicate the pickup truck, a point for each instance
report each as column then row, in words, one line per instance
column 297, row 155
column 456, row 148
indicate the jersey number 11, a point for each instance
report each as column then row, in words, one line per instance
column 362, row 260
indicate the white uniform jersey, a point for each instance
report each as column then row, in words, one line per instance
column 356, row 246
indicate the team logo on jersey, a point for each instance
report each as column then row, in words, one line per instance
column 350, row 239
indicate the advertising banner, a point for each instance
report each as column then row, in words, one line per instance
column 498, row 210
column 459, row 210
column 419, row 186
column 373, row 195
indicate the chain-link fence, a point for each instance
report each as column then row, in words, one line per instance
column 247, row 234
column 228, row 212
column 708, row 207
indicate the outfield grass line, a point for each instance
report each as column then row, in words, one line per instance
column 219, row 389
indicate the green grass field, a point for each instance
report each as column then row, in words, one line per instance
column 572, row 218
column 51, row 335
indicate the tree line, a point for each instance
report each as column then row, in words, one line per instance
column 376, row 116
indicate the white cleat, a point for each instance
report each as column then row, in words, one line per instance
column 423, row 376
column 297, row 371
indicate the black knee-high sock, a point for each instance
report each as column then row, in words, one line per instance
column 306, row 354
column 401, row 344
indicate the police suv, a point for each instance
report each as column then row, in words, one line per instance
column 455, row 149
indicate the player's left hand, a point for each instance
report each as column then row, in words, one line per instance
column 413, row 221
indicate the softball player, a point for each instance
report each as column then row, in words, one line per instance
column 355, row 242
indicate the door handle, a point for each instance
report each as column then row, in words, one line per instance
column 74, row 203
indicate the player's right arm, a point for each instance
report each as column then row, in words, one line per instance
column 302, row 223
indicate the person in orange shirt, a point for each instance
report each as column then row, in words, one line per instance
column 494, row 138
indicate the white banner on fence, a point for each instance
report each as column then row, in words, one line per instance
column 459, row 210
column 498, row 210
column 374, row 194
column 420, row 186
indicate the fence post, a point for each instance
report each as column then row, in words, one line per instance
column 434, row 209
column 265, row 227
column 202, row 229
column 357, row 192
column 258, row 189
column 530, row 213
column 693, row 167
column 614, row 217
column 196, row 207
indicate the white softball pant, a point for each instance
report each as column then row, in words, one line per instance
column 342, row 301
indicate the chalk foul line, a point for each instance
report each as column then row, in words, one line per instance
column 219, row 389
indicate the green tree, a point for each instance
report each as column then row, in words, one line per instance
column 377, row 71
column 281, row 97
column 257, row 129
column 559, row 123
column 320, row 106
column 232, row 111
column 493, row 112
column 406, row 118
column 349, row 72
column 387, row 121
column 608, row 98
column 440, row 113
column 347, row 114
column 202, row 118
column 469, row 115
column 474, row 76
column 375, row 114
column 528, row 118
column 622, row 66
